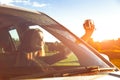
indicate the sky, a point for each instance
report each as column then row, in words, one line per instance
column 73, row 13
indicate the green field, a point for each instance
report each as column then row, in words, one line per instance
column 70, row 61
column 114, row 58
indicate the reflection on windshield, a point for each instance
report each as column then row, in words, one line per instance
column 63, row 33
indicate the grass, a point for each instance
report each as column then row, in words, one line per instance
column 72, row 60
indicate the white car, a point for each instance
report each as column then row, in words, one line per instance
column 64, row 59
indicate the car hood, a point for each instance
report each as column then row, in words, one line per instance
column 100, row 76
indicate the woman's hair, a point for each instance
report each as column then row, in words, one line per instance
column 32, row 40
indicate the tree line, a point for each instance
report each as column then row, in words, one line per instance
column 106, row 45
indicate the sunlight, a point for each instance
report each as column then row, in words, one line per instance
column 106, row 29
column 101, row 36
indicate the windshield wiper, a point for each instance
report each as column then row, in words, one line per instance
column 70, row 71
column 79, row 70
column 106, row 69
column 82, row 70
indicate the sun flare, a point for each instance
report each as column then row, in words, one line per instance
column 101, row 37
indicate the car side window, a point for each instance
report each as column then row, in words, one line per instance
column 15, row 37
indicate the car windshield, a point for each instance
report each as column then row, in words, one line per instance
column 35, row 43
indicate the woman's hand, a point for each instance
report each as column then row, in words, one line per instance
column 89, row 26
column 89, row 29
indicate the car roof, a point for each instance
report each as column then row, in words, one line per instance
column 17, row 8
column 10, row 15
